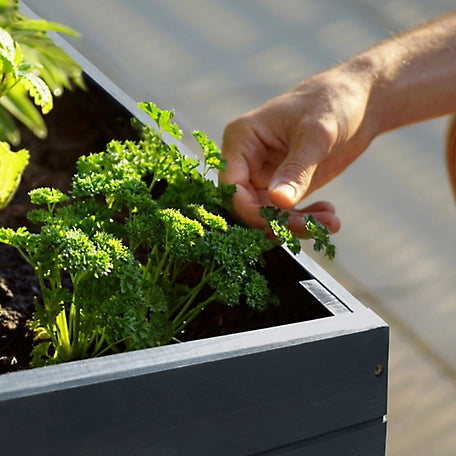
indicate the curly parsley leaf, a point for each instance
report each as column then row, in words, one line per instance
column 320, row 235
column 278, row 222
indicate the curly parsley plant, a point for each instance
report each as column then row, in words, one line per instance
column 138, row 249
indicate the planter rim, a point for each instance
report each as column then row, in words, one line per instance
column 140, row 362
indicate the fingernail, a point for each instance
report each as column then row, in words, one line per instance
column 286, row 190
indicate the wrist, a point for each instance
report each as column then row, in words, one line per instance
column 368, row 72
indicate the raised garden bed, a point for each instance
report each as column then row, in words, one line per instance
column 309, row 377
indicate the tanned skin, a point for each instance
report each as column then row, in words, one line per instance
column 297, row 142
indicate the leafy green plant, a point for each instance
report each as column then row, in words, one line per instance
column 34, row 64
column 138, row 249
column 32, row 70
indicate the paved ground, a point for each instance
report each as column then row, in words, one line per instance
column 211, row 60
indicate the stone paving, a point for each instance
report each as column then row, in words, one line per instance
column 211, row 60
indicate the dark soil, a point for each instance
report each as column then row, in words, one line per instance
column 83, row 122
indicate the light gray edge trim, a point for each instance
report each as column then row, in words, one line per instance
column 157, row 359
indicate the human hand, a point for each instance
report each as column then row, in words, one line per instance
column 295, row 143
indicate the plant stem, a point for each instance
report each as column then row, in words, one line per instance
column 63, row 336
column 184, row 313
column 192, row 314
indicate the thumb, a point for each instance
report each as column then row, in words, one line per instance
column 292, row 179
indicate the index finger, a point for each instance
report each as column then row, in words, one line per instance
column 246, row 206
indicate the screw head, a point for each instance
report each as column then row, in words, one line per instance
column 379, row 369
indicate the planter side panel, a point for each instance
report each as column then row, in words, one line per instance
column 367, row 439
column 237, row 406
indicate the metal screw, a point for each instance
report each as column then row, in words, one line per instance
column 379, row 369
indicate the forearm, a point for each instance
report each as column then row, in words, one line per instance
column 411, row 77
column 297, row 142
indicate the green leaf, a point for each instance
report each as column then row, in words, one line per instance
column 212, row 155
column 8, row 62
column 42, row 25
column 18, row 104
column 30, row 59
column 162, row 118
column 8, row 128
column 320, row 235
column 278, row 222
column 40, row 355
column 37, row 89
column 12, row 165
column 48, row 196
column 207, row 218
column 7, row 50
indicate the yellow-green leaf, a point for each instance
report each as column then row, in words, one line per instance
column 12, row 165
column 38, row 90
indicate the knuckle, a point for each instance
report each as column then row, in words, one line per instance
column 239, row 125
column 322, row 131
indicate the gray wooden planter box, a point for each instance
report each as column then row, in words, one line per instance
column 316, row 387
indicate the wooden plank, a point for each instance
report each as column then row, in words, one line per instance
column 141, row 362
column 234, row 406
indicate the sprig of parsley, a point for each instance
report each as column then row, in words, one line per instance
column 277, row 221
column 320, row 234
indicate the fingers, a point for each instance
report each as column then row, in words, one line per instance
column 297, row 223
column 323, row 211
column 237, row 169
column 319, row 206
column 247, row 204
column 246, row 207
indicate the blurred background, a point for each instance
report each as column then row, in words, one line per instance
column 212, row 60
